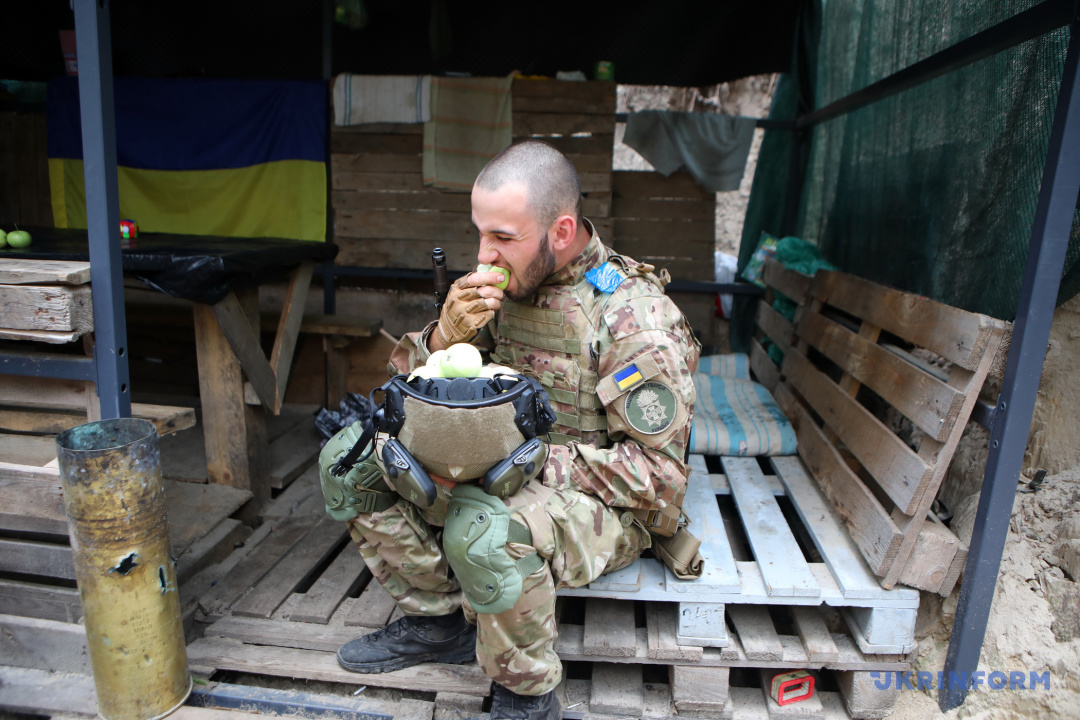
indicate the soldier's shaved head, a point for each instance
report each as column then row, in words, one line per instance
column 550, row 180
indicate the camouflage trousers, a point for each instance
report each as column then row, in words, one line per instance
column 579, row 536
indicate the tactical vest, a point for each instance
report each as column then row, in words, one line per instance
column 555, row 338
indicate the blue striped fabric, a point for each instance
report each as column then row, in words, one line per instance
column 738, row 417
column 730, row 365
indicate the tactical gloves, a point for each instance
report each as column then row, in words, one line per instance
column 463, row 313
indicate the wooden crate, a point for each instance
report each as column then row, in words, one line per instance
column 669, row 222
column 386, row 217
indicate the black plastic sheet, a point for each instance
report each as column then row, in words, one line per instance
column 194, row 267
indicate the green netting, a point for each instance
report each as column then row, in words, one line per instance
column 932, row 190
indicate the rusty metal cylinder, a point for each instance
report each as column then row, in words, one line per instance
column 115, row 499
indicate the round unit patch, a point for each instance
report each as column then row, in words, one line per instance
column 650, row 408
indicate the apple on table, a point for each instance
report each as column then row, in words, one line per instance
column 18, row 238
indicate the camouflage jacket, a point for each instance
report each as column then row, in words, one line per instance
column 617, row 358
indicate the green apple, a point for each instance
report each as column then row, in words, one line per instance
column 3, row 238
column 462, row 360
column 436, row 360
column 483, row 267
column 18, row 238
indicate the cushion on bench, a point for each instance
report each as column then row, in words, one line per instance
column 734, row 415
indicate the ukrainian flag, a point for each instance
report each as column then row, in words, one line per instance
column 201, row 156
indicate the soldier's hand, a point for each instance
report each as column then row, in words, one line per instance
column 469, row 306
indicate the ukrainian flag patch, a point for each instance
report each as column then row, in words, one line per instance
column 628, row 377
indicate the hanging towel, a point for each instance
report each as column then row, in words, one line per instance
column 713, row 148
column 362, row 99
column 471, row 122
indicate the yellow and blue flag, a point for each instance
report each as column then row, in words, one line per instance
column 199, row 156
column 628, row 377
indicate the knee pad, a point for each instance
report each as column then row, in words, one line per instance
column 361, row 489
column 478, row 527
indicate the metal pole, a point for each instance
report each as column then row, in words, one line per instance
column 1008, row 439
column 93, row 35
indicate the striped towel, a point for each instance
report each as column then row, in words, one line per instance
column 471, row 122
column 731, row 365
column 360, row 99
column 736, row 416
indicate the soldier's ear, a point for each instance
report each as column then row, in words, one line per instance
column 563, row 232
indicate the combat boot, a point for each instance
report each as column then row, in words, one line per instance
column 506, row 705
column 410, row 641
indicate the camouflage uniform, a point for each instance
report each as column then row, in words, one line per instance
column 616, row 357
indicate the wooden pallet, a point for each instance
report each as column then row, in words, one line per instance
column 777, row 573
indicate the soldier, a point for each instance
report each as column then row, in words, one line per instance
column 616, row 358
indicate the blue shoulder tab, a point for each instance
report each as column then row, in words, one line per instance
column 605, row 278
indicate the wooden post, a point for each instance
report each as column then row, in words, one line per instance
column 235, row 433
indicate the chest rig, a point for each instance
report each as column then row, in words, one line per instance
column 556, row 338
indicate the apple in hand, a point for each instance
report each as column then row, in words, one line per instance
column 18, row 238
column 484, row 267
column 462, row 360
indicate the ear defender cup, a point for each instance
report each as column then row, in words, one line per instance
column 508, row 476
column 408, row 477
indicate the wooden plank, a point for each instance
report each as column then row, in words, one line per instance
column 342, row 578
column 794, row 285
column 898, row 470
column 31, row 499
column 44, row 602
column 372, row 609
column 603, row 106
column 293, row 569
column 931, row 559
column 284, row 633
column 377, row 181
column 672, row 208
column 226, row 654
column 246, row 346
column 32, row 450
column 50, row 308
column 609, row 628
column 292, row 453
column 292, row 314
column 681, row 184
column 815, row 637
column 720, row 485
column 380, row 129
column 572, row 146
column 344, row 325
column 211, row 548
column 778, row 555
column 765, row 371
column 925, row 400
column 385, row 143
column 778, row 328
column 873, row 531
column 377, row 162
column 687, row 234
column 616, row 689
column 195, row 509
column 31, row 557
column 430, row 200
column 720, row 574
column 37, row 692
column 661, row 622
column 957, row 335
column 699, row 689
column 434, row 227
column 216, row 601
column 235, row 435
column 756, row 632
column 555, row 123
column 43, row 644
column 45, row 336
column 571, row 90
column 863, row 696
column 413, row 253
column 15, row 271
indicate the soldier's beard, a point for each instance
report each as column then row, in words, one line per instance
column 540, row 267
